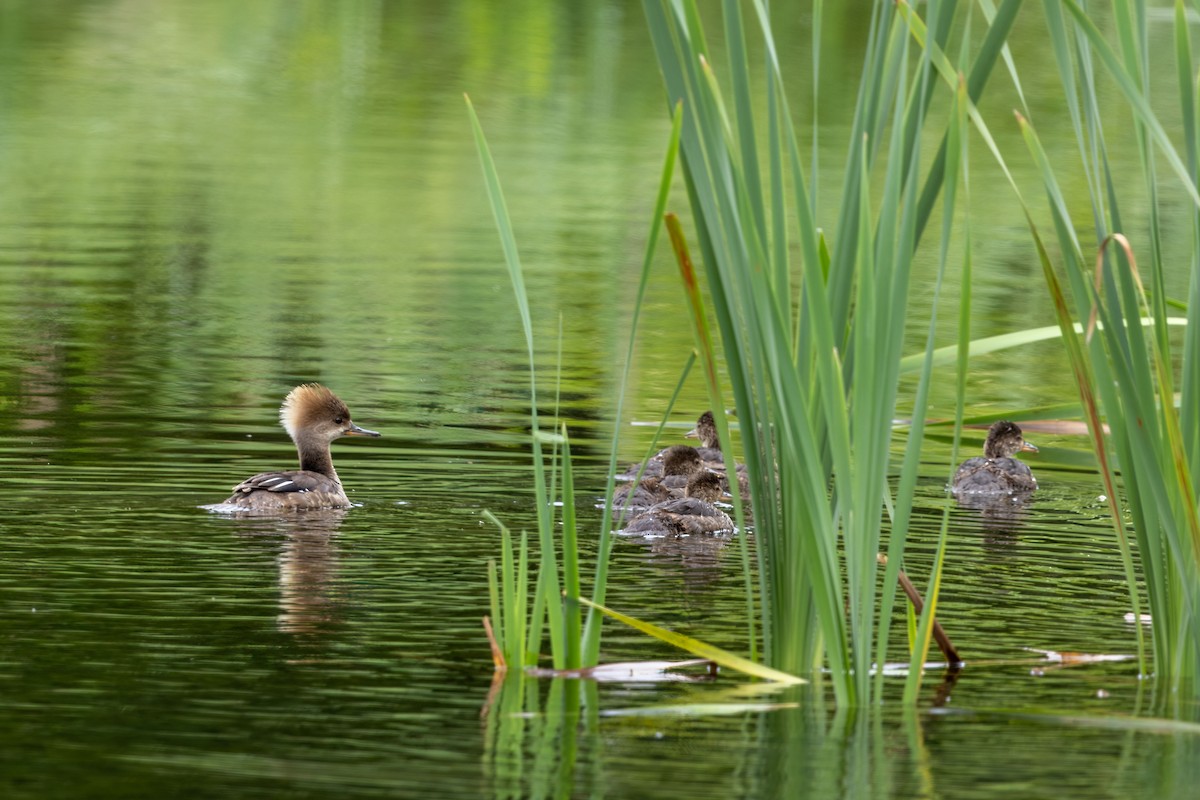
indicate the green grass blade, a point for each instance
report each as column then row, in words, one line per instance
column 955, row 165
column 497, row 619
column 699, row 648
column 945, row 356
column 573, row 632
column 1084, row 380
column 1135, row 96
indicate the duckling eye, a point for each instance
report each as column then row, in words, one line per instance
column 338, row 420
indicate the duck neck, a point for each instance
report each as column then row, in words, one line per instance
column 315, row 457
column 996, row 450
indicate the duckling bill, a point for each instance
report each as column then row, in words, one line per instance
column 997, row 472
column 313, row 416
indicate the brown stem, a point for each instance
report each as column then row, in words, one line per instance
column 497, row 653
column 914, row 597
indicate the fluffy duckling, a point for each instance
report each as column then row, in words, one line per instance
column 714, row 458
column 710, row 441
column 678, row 464
column 710, row 444
column 997, row 472
column 709, row 450
column 689, row 515
column 313, row 416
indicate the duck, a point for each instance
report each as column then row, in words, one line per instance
column 679, row 463
column 690, row 515
column 710, row 441
column 714, row 458
column 313, row 417
column 709, row 450
column 710, row 445
column 997, row 472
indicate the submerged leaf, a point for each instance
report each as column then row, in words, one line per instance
column 696, row 709
column 649, row 671
column 1070, row 658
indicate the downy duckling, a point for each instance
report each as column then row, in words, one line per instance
column 654, row 465
column 689, row 515
column 997, row 472
column 710, row 442
column 678, row 464
column 313, row 416
column 714, row 458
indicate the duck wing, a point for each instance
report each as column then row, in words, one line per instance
column 296, row 480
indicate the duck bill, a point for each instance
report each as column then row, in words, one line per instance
column 354, row 430
column 1024, row 446
column 692, row 434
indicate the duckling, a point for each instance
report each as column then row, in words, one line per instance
column 689, row 515
column 634, row 498
column 709, row 450
column 710, row 444
column 714, row 458
column 710, row 441
column 678, row 464
column 997, row 472
column 653, row 467
column 313, row 416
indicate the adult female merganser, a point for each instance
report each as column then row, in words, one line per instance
column 997, row 472
column 313, row 416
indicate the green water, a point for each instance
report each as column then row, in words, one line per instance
column 203, row 204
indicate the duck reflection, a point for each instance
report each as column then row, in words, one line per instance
column 694, row 559
column 1001, row 517
column 308, row 566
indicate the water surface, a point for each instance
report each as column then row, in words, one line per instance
column 205, row 204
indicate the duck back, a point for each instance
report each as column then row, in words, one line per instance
column 683, row 516
column 292, row 489
column 993, row 476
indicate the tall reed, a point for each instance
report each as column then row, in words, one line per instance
column 1125, row 363
column 1114, row 318
column 812, row 345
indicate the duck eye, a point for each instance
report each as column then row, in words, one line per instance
column 338, row 420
